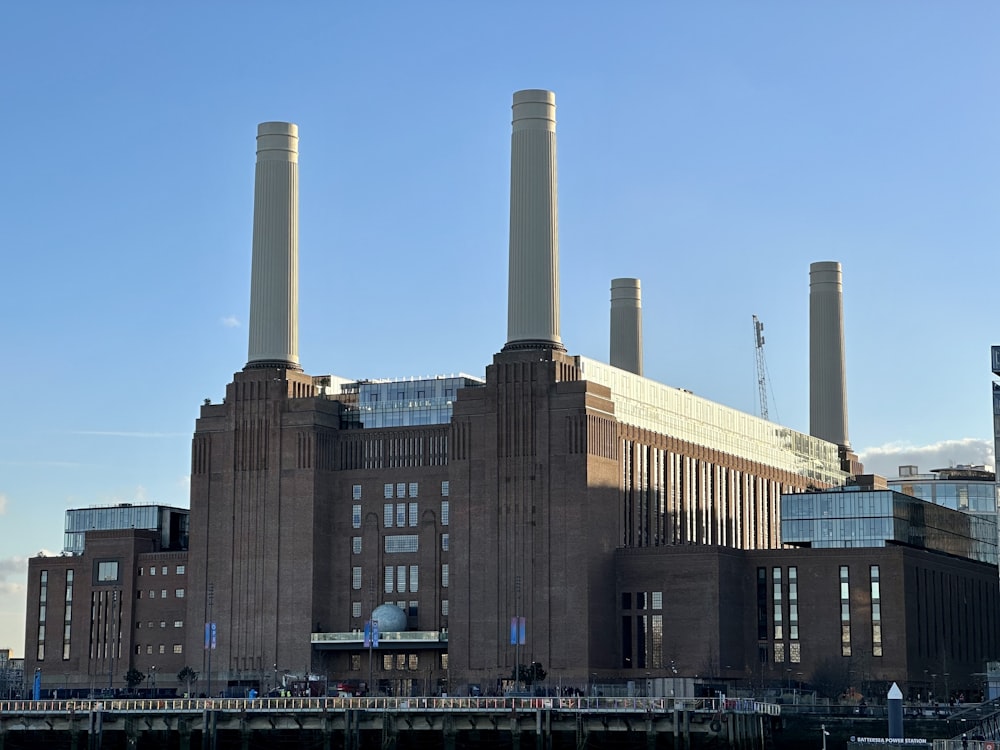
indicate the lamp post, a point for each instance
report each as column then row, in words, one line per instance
column 152, row 669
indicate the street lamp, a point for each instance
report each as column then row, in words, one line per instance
column 153, row 670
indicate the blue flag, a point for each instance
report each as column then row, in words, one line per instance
column 36, row 692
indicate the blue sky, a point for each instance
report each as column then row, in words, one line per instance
column 713, row 150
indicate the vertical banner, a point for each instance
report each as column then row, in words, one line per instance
column 374, row 633
column 208, row 635
column 521, row 629
column 36, row 688
column 213, row 636
column 368, row 633
column 513, row 631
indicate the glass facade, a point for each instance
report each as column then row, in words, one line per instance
column 671, row 411
column 859, row 517
column 171, row 523
column 403, row 403
column 970, row 489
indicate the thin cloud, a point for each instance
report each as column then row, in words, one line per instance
column 886, row 459
column 230, row 321
column 3, row 504
column 14, row 567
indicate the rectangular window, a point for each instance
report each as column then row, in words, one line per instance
column 413, row 514
column 107, row 571
column 779, row 630
column 876, row 612
column 179, row 593
column 444, row 513
column 162, row 649
column 401, row 661
column 413, row 489
column 356, row 577
column 412, row 662
column 178, row 648
column 163, row 593
column 180, row 570
column 356, row 516
column 779, row 653
column 795, row 652
column 401, row 514
column 390, row 581
column 401, row 489
column 356, row 545
column 149, row 649
column 355, row 609
column 444, row 609
column 387, row 491
column 444, row 542
column 845, row 612
column 163, row 570
column 387, row 662
column 152, row 594
column 387, row 515
column 68, row 615
column 355, row 662
column 793, row 603
column 178, row 623
column 762, row 604
column 656, row 635
column 657, row 600
column 414, row 578
column 400, row 579
column 444, row 576
column 401, row 543
column 356, row 492
column 152, row 570
column 445, row 488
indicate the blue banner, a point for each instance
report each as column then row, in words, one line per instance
column 36, row 692
column 521, row 625
column 513, row 631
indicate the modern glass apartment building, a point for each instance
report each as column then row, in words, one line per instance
column 403, row 403
column 863, row 516
column 171, row 523
column 970, row 489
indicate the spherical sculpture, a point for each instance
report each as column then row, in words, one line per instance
column 391, row 619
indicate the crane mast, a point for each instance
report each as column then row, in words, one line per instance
column 758, row 335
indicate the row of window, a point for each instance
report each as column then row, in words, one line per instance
column 400, row 489
column 398, row 514
column 163, row 624
column 397, row 574
column 404, row 543
column 178, row 594
column 400, row 662
column 178, row 648
column 164, row 570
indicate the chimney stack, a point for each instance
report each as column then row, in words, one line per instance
column 274, row 283
column 827, row 379
column 626, row 325
column 533, row 276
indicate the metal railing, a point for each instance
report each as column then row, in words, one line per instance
column 393, row 704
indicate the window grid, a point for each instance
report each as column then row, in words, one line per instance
column 356, row 516
column 355, row 545
column 444, row 512
column 793, row 603
column 845, row 612
column 779, row 631
column 356, row 577
column 876, row 612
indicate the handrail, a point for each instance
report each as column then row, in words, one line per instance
column 396, row 704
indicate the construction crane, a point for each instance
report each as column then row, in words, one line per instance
column 758, row 335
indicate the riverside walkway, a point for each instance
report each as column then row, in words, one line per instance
column 353, row 723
